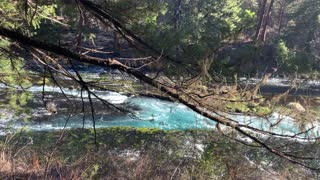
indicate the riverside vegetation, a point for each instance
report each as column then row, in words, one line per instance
column 134, row 153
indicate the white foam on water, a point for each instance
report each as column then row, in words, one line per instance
column 275, row 81
column 112, row 97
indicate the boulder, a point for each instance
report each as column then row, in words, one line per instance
column 296, row 107
column 51, row 106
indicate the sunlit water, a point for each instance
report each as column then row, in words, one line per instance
column 154, row 113
column 149, row 113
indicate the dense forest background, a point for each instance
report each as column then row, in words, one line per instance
column 232, row 36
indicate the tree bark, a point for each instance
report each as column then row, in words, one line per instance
column 177, row 11
column 281, row 14
column 267, row 21
column 262, row 7
column 176, row 22
column 116, row 42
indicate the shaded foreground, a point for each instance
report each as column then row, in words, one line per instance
column 140, row 153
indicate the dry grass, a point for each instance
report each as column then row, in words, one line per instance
column 153, row 162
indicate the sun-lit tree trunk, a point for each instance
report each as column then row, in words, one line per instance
column 267, row 21
column 281, row 14
column 262, row 7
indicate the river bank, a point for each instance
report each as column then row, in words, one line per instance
column 133, row 153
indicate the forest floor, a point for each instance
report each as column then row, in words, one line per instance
column 139, row 153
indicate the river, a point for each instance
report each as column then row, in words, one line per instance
column 145, row 112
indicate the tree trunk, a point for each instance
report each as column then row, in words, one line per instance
column 266, row 22
column 81, row 25
column 116, row 42
column 176, row 19
column 262, row 7
column 281, row 14
column 177, row 11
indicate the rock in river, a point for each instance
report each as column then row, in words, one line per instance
column 296, row 106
